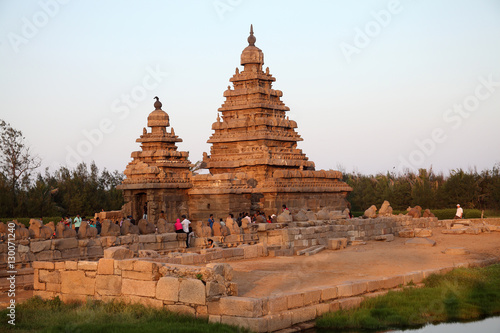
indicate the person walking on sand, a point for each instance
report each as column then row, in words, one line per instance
column 460, row 212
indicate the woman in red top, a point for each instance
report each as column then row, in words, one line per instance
column 178, row 226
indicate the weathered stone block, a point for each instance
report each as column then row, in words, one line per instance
column 47, row 255
column 150, row 238
column 214, row 289
column 49, row 276
column 192, row 291
column 254, row 324
column 350, row 303
column 105, row 266
column 138, row 287
column 69, row 253
column 39, row 246
column 237, row 306
column 108, row 285
column 279, row 321
column 179, row 308
column 277, row 304
column 303, row 314
column 42, row 265
column 295, row 300
column 59, row 265
column 71, row 265
column 64, row 244
column 312, row 296
column 75, row 282
column 359, row 287
column 344, row 290
column 322, row 308
column 53, row 287
column 118, row 253
column 329, row 293
column 167, row 289
column 94, row 251
column 138, row 275
column 87, row 265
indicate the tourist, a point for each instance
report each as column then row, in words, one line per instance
column 162, row 215
column 185, row 226
column 222, row 223
column 210, row 244
column 238, row 219
column 283, row 208
column 247, row 217
column 460, row 212
column 78, row 222
column 269, row 219
column 211, row 221
column 98, row 225
column 178, row 226
column 145, row 216
column 91, row 223
column 68, row 222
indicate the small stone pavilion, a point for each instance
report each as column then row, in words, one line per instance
column 254, row 162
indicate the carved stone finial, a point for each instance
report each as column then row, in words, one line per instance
column 251, row 39
column 157, row 104
column 267, row 70
column 228, row 87
column 237, row 70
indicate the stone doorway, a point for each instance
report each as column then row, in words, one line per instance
column 140, row 199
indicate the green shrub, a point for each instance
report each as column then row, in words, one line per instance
column 462, row 294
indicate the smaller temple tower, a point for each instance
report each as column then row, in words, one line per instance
column 158, row 176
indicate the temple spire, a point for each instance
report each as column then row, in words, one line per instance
column 251, row 39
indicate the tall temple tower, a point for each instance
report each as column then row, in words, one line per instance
column 254, row 135
column 158, row 176
column 254, row 161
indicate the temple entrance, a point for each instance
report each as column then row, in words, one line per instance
column 140, row 199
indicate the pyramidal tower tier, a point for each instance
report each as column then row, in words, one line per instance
column 158, row 177
column 254, row 135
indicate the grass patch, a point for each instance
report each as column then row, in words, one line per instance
column 37, row 315
column 461, row 295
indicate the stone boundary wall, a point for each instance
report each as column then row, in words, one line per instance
column 93, row 249
column 278, row 312
column 208, row 291
column 306, row 234
column 243, row 251
column 179, row 288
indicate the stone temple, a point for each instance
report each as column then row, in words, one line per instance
column 254, row 163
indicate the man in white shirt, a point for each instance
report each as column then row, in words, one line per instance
column 459, row 213
column 185, row 227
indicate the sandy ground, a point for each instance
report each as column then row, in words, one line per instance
column 275, row 275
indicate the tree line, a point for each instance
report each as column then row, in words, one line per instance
column 471, row 189
column 83, row 190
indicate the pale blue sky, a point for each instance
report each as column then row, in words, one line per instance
column 365, row 111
